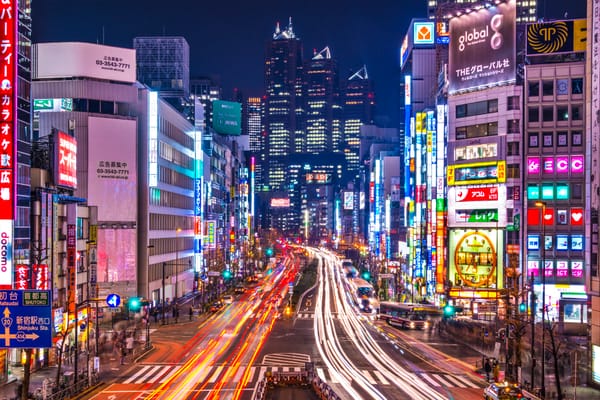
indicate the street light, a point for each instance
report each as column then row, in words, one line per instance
column 162, row 308
column 176, row 262
column 542, row 204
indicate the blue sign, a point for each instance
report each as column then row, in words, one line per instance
column 113, row 300
column 26, row 319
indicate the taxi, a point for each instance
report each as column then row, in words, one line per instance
column 503, row 391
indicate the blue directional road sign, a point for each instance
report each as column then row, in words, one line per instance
column 113, row 300
column 26, row 319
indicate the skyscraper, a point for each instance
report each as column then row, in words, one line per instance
column 322, row 111
column 359, row 104
column 163, row 63
column 283, row 91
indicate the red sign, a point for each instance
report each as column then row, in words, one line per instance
column 8, row 64
column 40, row 273
column 66, row 159
column 22, row 278
column 576, row 216
column 549, row 216
column 489, row 193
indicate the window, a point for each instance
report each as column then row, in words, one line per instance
column 577, row 191
column 562, row 113
column 513, row 103
column 512, row 171
column 461, row 110
column 576, row 138
column 513, row 148
column 478, row 130
column 533, row 88
column 94, row 106
column 562, row 139
column 533, row 114
column 562, row 87
column 547, row 88
column 547, row 114
column 577, row 86
column 513, row 126
column 534, row 139
column 576, row 112
column 477, row 108
column 548, row 139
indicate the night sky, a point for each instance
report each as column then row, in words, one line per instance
column 227, row 38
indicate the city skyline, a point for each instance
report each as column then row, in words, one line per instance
column 219, row 35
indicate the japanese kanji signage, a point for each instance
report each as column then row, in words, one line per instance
column 65, row 169
column 8, row 62
column 26, row 319
column 482, row 48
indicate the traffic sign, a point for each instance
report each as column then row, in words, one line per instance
column 26, row 319
column 113, row 300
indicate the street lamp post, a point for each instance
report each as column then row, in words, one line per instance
column 176, row 262
column 542, row 204
column 163, row 292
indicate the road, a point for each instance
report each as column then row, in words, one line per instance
column 226, row 355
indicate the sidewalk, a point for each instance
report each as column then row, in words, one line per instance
column 110, row 366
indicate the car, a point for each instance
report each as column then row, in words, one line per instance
column 239, row 289
column 503, row 391
column 228, row 299
column 216, row 306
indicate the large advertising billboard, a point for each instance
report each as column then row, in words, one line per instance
column 112, row 161
column 227, row 117
column 556, row 37
column 482, row 48
column 76, row 59
column 65, row 160
column 476, row 258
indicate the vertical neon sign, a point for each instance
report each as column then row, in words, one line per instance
column 152, row 139
column 8, row 73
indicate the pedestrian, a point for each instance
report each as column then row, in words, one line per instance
column 488, row 369
column 496, row 371
column 123, row 353
column 191, row 313
column 129, row 342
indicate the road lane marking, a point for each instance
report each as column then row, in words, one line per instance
column 368, row 376
column 381, row 378
column 147, row 376
column 134, row 376
column 456, row 381
column 430, row 380
column 216, row 374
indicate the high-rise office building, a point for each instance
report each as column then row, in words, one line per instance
column 163, row 64
column 322, row 111
column 283, row 78
column 358, row 105
column 526, row 10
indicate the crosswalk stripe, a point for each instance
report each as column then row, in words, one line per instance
column 368, row 376
column 261, row 373
column 216, row 374
column 456, row 381
column 465, row 381
column 134, row 376
column 167, row 376
column 381, row 378
column 321, row 374
column 239, row 374
column 148, row 375
column 443, row 381
column 430, row 380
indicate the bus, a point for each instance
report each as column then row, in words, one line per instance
column 408, row 315
column 363, row 294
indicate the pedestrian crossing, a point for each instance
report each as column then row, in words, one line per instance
column 161, row 373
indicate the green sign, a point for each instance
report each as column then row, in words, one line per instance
column 227, row 117
column 483, row 215
column 43, row 104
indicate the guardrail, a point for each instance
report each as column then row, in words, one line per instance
column 302, row 379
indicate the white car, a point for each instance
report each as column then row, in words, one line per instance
column 228, row 299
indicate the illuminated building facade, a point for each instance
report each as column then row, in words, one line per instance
column 283, row 102
column 322, row 120
column 558, row 215
column 526, row 10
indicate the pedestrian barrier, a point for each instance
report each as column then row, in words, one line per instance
column 304, row 379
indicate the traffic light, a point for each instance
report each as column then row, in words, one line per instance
column 365, row 274
column 226, row 274
column 522, row 307
column 269, row 251
column 449, row 310
column 134, row 304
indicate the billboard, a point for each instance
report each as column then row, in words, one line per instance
column 479, row 173
column 76, row 59
column 423, row 33
column 227, row 117
column 280, row 202
column 348, row 200
column 116, row 255
column 112, row 161
column 65, row 160
column 476, row 258
column 482, row 48
column 556, row 37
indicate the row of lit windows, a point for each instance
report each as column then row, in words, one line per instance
column 163, row 198
column 559, row 87
column 558, row 138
